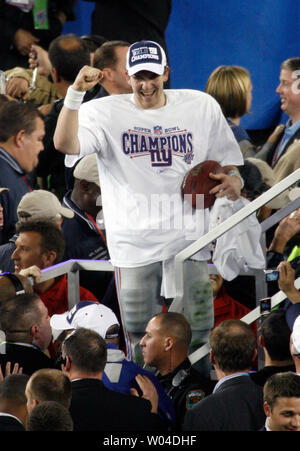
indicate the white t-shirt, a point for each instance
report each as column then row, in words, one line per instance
column 143, row 156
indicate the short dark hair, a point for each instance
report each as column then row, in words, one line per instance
column 19, row 313
column 49, row 384
column 15, row 117
column 86, row 350
column 12, row 388
column 233, row 344
column 49, row 416
column 281, row 385
column 276, row 335
column 176, row 325
column 68, row 54
column 105, row 56
column 93, row 41
column 51, row 236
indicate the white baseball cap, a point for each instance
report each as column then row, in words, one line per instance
column 87, row 314
column 146, row 55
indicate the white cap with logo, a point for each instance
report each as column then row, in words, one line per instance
column 87, row 314
column 146, row 55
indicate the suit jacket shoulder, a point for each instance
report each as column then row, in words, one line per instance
column 96, row 408
column 30, row 359
column 237, row 405
column 9, row 423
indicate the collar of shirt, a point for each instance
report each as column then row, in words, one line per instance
column 226, row 378
column 19, row 343
column 289, row 131
column 267, row 424
column 4, row 414
column 11, row 161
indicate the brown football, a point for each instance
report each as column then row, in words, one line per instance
column 197, row 181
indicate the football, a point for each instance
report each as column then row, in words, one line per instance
column 197, row 181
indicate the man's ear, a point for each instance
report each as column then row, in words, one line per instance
column 55, row 75
column 67, row 365
column 49, row 258
column 267, row 409
column 34, row 329
column 34, row 403
column 127, row 78
column 19, row 137
column 166, row 73
column 107, row 74
column 168, row 343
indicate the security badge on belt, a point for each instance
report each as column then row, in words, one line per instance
column 193, row 396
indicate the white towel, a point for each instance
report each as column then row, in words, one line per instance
column 240, row 247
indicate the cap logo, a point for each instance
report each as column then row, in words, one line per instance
column 77, row 307
column 145, row 53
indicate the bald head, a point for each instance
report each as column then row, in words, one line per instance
column 9, row 287
column 68, row 54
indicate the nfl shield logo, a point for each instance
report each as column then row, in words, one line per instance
column 157, row 130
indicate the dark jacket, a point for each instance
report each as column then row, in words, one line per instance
column 6, row 251
column 236, row 405
column 95, row 408
column 260, row 377
column 85, row 241
column 191, row 389
column 13, row 177
column 29, row 358
column 8, row 423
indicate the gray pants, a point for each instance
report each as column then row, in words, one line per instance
column 139, row 299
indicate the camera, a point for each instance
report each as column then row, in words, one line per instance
column 265, row 306
column 271, row 275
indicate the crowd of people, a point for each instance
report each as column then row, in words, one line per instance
column 94, row 147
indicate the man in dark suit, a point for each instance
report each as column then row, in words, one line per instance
column 236, row 403
column 13, row 411
column 93, row 406
column 26, row 324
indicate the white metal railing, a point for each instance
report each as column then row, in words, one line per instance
column 249, row 318
column 72, row 267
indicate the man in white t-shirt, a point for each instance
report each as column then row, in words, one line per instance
column 146, row 142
